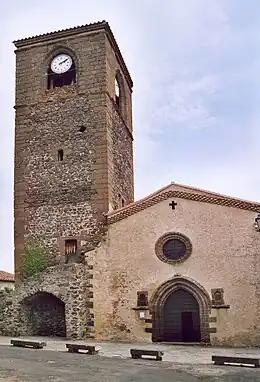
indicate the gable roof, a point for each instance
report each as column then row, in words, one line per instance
column 6, row 276
column 175, row 190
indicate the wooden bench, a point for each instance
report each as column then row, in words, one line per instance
column 138, row 353
column 221, row 360
column 28, row 344
column 75, row 348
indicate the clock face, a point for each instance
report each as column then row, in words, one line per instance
column 61, row 63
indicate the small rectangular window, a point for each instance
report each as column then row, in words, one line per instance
column 70, row 246
column 142, row 299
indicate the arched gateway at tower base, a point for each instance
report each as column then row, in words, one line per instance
column 55, row 303
column 44, row 315
column 180, row 310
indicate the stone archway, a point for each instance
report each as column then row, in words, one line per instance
column 194, row 293
column 44, row 315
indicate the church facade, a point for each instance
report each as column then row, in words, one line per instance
column 180, row 266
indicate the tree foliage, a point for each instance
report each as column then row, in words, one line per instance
column 35, row 259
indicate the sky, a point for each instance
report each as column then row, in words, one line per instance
column 196, row 71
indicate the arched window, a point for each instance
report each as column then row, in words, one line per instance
column 61, row 71
column 121, row 201
column 117, row 92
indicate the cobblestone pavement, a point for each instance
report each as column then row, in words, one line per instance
column 181, row 363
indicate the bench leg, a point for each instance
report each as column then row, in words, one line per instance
column 72, row 351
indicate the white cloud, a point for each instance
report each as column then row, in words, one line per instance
column 202, row 59
column 180, row 80
column 186, row 104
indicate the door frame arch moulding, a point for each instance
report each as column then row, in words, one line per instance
column 161, row 294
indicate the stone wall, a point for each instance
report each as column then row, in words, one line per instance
column 9, row 322
column 54, row 198
column 119, row 123
column 225, row 249
column 6, row 284
column 57, row 200
column 121, row 188
column 57, row 302
column 60, row 196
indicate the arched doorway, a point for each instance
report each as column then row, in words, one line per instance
column 181, row 318
column 44, row 315
column 180, row 310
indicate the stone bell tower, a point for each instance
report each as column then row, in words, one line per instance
column 73, row 138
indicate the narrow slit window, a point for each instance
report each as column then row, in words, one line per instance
column 60, row 155
column 117, row 92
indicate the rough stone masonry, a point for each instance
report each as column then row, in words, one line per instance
column 73, row 162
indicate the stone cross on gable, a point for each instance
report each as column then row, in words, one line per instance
column 173, row 204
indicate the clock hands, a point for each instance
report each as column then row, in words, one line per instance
column 62, row 62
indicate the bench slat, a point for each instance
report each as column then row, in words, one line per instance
column 138, row 353
column 26, row 344
column 221, row 360
column 75, row 348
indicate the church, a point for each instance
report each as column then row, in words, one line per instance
column 178, row 266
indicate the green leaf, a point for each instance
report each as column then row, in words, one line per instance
column 35, row 259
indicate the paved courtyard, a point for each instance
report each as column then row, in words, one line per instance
column 181, row 363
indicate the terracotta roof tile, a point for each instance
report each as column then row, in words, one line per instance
column 184, row 192
column 64, row 33
column 76, row 28
column 6, row 276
